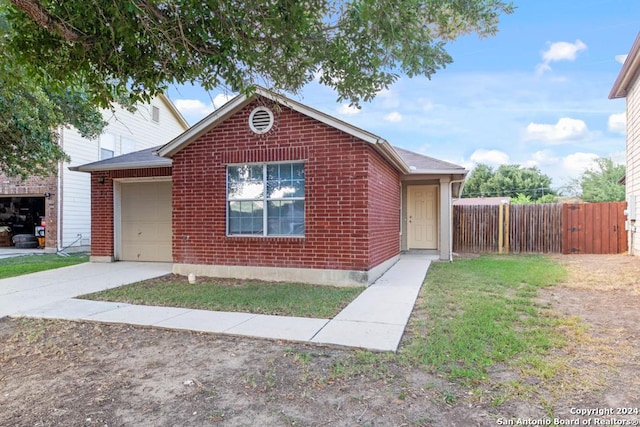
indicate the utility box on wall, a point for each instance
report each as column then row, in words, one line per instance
column 631, row 207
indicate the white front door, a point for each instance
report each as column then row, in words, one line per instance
column 422, row 216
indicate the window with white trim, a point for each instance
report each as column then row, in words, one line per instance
column 107, row 146
column 265, row 199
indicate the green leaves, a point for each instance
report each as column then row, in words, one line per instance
column 32, row 111
column 601, row 184
column 526, row 185
column 358, row 47
column 62, row 61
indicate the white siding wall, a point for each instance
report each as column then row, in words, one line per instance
column 633, row 162
column 132, row 131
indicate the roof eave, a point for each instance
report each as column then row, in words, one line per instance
column 122, row 166
column 628, row 72
column 174, row 110
column 462, row 172
column 391, row 155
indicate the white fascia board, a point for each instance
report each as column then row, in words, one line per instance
column 202, row 127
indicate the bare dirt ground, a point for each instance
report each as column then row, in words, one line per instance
column 55, row 373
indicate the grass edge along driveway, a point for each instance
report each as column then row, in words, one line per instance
column 26, row 264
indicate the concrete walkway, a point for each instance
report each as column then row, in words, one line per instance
column 375, row 320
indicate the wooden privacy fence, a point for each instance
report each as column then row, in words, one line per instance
column 540, row 228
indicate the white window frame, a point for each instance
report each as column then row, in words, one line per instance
column 265, row 200
column 107, row 142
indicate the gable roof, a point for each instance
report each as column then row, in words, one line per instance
column 407, row 162
column 220, row 115
column 147, row 158
column 419, row 163
column 629, row 72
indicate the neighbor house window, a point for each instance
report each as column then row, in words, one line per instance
column 265, row 199
column 107, row 146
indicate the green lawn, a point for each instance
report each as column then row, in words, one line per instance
column 479, row 312
column 286, row 299
column 17, row 266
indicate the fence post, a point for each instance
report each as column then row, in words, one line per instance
column 507, row 228
column 500, row 227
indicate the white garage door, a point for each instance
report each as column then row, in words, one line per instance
column 146, row 221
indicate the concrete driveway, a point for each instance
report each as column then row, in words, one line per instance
column 18, row 294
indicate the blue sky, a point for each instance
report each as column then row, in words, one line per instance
column 536, row 94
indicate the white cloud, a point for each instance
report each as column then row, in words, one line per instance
column 618, row 123
column 559, row 51
column 618, row 157
column 490, row 157
column 388, row 98
column 621, row 58
column 221, row 99
column 567, row 129
column 426, row 104
column 575, row 164
column 393, row 117
column 348, row 110
column 193, row 107
column 541, row 158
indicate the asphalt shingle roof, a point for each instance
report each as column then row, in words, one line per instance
column 419, row 162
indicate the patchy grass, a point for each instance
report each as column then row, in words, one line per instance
column 477, row 313
column 17, row 266
column 277, row 298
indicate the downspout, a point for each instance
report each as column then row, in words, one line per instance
column 59, row 197
column 455, row 181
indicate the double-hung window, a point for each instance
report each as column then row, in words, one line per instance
column 265, row 199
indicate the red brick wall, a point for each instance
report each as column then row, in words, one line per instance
column 337, row 202
column 384, row 210
column 102, row 243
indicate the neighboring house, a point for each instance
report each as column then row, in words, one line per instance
column 62, row 201
column 627, row 86
column 266, row 187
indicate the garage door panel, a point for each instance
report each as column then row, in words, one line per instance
column 146, row 221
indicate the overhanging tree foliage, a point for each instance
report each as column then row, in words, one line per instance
column 106, row 49
column 602, row 183
column 525, row 184
column 32, row 111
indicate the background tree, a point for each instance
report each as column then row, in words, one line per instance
column 477, row 183
column 601, row 183
column 32, row 113
column 526, row 184
column 96, row 52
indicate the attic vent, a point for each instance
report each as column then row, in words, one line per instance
column 261, row 120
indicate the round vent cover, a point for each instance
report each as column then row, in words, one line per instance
column 261, row 120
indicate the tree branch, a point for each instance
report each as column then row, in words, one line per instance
column 41, row 16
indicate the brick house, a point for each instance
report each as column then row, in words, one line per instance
column 266, row 187
column 62, row 200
